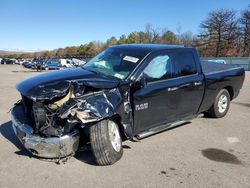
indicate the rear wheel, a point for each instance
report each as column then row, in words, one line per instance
column 106, row 142
column 221, row 105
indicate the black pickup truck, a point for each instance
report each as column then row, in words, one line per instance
column 125, row 92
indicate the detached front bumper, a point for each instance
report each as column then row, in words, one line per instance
column 46, row 147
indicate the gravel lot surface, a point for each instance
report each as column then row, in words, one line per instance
column 204, row 153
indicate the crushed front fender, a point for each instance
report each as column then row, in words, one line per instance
column 92, row 107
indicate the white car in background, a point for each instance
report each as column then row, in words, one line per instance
column 78, row 62
column 221, row 61
column 65, row 63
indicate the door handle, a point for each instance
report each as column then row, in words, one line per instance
column 185, row 85
column 198, row 83
column 173, row 88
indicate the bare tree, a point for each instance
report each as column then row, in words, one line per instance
column 186, row 38
column 152, row 34
column 142, row 37
column 245, row 31
column 148, row 31
column 219, row 31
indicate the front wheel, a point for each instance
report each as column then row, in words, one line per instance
column 106, row 142
column 221, row 105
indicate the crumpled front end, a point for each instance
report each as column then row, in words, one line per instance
column 52, row 128
column 47, row 147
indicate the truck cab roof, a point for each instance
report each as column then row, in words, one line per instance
column 148, row 48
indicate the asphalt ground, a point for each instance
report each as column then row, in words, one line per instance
column 204, row 153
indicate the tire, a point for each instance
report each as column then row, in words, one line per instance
column 105, row 151
column 221, row 105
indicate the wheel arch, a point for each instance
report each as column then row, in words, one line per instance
column 118, row 120
column 230, row 91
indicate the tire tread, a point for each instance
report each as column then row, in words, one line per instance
column 101, row 146
column 213, row 111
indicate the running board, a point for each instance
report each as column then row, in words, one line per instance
column 160, row 129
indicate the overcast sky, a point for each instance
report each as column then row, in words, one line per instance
column 38, row 25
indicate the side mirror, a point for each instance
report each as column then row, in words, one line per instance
column 142, row 81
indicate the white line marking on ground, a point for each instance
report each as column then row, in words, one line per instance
column 233, row 139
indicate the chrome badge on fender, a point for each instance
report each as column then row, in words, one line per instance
column 141, row 106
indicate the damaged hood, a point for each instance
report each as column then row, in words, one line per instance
column 56, row 83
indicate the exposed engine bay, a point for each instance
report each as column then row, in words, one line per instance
column 80, row 105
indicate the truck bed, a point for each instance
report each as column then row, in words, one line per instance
column 209, row 67
column 217, row 77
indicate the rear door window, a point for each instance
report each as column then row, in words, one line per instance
column 185, row 64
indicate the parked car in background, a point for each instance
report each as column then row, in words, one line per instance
column 221, row 61
column 13, row 61
column 8, row 61
column 52, row 64
column 71, row 63
column 33, row 62
column 21, row 61
column 16, row 61
column 78, row 62
column 4, row 60
column 27, row 64
column 66, row 63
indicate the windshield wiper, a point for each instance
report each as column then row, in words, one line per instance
column 100, row 74
column 90, row 70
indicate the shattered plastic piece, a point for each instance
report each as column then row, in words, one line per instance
column 59, row 103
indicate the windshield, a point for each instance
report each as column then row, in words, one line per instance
column 118, row 63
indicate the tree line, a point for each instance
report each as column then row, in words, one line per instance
column 223, row 33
